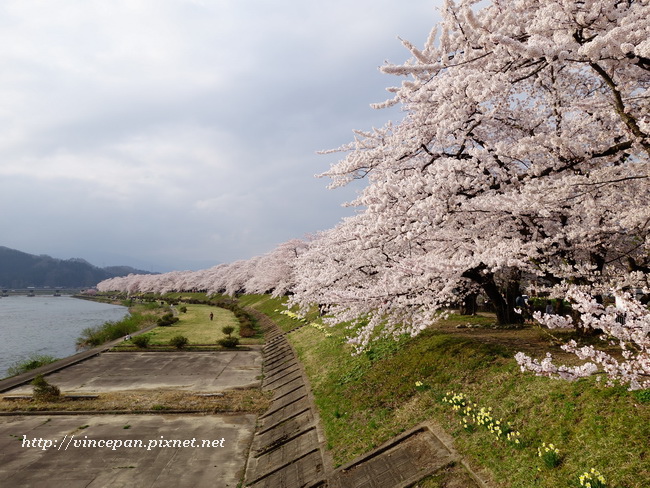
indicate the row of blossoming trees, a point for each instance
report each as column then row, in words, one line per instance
column 522, row 157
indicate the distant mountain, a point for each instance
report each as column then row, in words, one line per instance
column 22, row 270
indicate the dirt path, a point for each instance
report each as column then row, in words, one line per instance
column 531, row 339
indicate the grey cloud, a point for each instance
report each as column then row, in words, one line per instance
column 179, row 133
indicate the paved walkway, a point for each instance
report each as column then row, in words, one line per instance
column 132, row 450
column 205, row 371
column 146, row 456
column 285, row 447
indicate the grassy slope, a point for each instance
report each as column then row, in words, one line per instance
column 364, row 400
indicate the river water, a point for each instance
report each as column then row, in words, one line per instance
column 47, row 325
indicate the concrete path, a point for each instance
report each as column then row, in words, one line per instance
column 197, row 371
column 130, row 450
column 288, row 447
column 67, row 451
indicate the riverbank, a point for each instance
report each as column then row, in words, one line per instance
column 365, row 400
column 144, row 432
column 47, row 326
column 7, row 384
column 185, row 418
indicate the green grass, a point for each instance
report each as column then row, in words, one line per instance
column 273, row 308
column 195, row 324
column 140, row 317
column 365, row 400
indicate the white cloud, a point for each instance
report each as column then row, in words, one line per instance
column 189, row 119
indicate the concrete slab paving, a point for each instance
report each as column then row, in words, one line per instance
column 304, row 472
column 274, row 435
column 279, row 414
column 209, row 371
column 212, row 455
column 399, row 463
column 287, row 448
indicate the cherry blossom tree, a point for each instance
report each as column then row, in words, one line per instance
column 274, row 272
column 523, row 155
column 270, row 273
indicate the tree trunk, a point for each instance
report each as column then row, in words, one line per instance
column 468, row 306
column 504, row 307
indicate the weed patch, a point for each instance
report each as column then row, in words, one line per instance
column 32, row 362
column 140, row 317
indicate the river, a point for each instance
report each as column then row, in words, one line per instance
column 47, row 325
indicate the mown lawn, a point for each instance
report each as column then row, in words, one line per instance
column 366, row 399
column 195, row 324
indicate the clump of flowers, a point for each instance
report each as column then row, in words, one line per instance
column 472, row 414
column 293, row 315
column 456, row 400
column 419, row 386
column 514, row 437
column 550, row 455
column 297, row 317
column 593, row 479
column 322, row 328
column 497, row 426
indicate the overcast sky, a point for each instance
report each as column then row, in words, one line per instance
column 179, row 134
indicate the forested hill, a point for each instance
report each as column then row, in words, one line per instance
column 22, row 270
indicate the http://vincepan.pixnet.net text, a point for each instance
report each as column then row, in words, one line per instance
column 73, row 442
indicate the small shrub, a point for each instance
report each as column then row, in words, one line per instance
column 43, row 391
column 228, row 329
column 141, row 341
column 642, row 395
column 179, row 341
column 246, row 331
column 183, row 309
column 229, row 342
column 167, row 320
column 94, row 336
